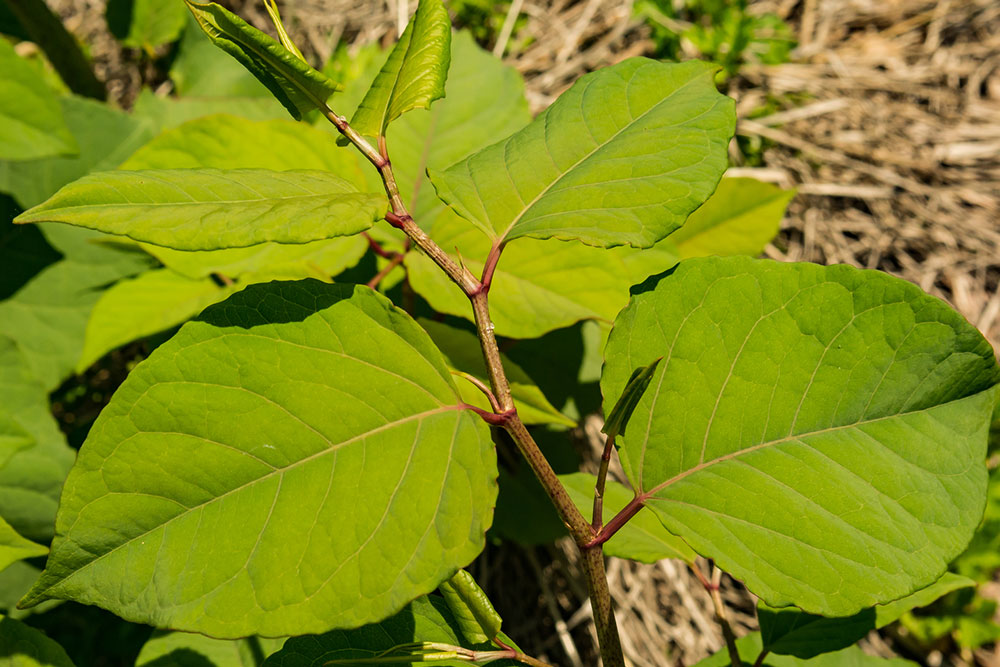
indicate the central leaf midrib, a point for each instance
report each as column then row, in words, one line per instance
column 590, row 154
column 644, row 496
column 267, row 475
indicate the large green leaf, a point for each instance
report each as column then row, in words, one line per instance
column 750, row 647
column 791, row 631
column 643, row 538
column 414, row 74
column 13, row 547
column 32, row 476
column 145, row 24
column 345, row 452
column 228, row 142
column 295, row 84
column 818, row 431
column 147, row 304
column 23, row 646
column 169, row 112
column 183, row 649
column 31, row 122
column 208, row 209
column 426, row 619
column 105, row 137
column 622, row 157
column 462, row 350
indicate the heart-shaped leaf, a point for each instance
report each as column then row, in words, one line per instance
column 347, row 480
column 414, row 74
column 208, row 209
column 295, row 84
column 622, row 157
column 818, row 431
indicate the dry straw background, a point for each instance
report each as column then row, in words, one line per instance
column 894, row 146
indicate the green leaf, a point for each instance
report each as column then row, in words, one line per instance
column 484, row 100
column 473, row 611
column 818, row 431
column 32, row 476
column 619, row 415
column 145, row 24
column 426, row 619
column 105, row 137
column 31, row 122
column 791, row 631
column 23, row 646
column 740, row 218
column 295, row 84
column 147, row 304
column 228, row 142
column 13, row 547
column 183, row 649
column 414, row 74
column 852, row 656
column 622, row 157
column 13, row 438
column 208, row 209
column 47, row 314
column 463, row 353
column 348, row 453
column 539, row 285
column 643, row 538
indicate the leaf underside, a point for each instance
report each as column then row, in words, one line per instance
column 344, row 481
column 818, row 431
column 295, row 84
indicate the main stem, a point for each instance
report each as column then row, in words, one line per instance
column 478, row 293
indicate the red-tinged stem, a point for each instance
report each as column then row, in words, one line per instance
column 481, row 386
column 505, row 414
column 377, row 247
column 619, row 520
column 396, row 260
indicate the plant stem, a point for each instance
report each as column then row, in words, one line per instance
column 720, row 612
column 602, row 478
column 760, row 658
column 396, row 260
column 506, row 416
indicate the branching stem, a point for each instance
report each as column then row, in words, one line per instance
column 505, row 414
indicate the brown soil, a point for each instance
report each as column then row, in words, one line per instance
column 896, row 156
